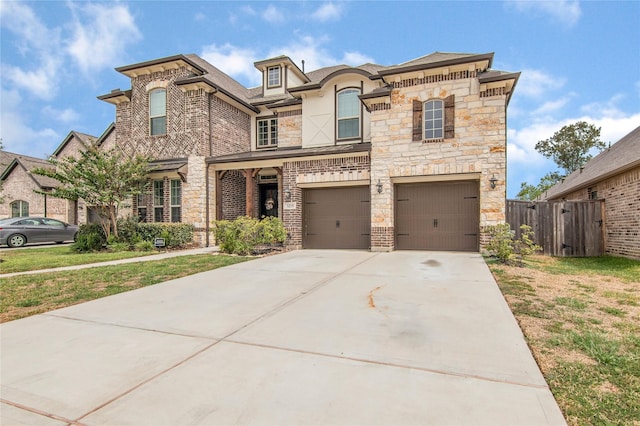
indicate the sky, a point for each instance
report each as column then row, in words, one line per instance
column 580, row 60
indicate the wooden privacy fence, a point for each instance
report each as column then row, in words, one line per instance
column 562, row 228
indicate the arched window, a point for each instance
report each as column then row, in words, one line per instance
column 19, row 208
column 348, row 114
column 434, row 119
column 158, row 112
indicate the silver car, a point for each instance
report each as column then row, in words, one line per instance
column 18, row 231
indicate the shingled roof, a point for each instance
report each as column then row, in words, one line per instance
column 620, row 157
column 27, row 164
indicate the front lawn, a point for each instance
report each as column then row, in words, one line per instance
column 26, row 295
column 581, row 318
column 31, row 259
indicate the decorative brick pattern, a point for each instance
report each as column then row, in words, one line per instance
column 420, row 81
column 382, row 238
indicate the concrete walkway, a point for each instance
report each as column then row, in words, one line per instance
column 305, row 337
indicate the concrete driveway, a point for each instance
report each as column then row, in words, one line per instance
column 306, row 337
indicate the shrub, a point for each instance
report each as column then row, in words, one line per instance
column 90, row 237
column 144, row 246
column 128, row 230
column 242, row 235
column 174, row 234
column 506, row 247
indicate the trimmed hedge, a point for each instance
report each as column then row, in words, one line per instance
column 174, row 234
column 133, row 235
column 241, row 236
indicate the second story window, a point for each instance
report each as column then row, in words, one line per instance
column 273, row 77
column 348, row 114
column 434, row 119
column 158, row 112
column 267, row 132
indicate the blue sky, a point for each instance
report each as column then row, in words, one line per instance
column 580, row 60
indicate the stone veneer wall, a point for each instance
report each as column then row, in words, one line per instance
column 194, row 198
column 290, row 129
column 326, row 172
column 621, row 194
column 477, row 149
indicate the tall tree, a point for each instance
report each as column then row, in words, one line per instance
column 103, row 179
column 531, row 192
column 569, row 147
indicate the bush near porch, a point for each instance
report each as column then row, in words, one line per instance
column 243, row 235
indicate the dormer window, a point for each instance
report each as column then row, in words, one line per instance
column 274, row 77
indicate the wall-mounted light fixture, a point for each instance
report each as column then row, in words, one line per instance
column 493, row 181
column 287, row 195
column 379, row 186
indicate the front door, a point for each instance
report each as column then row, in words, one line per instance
column 269, row 199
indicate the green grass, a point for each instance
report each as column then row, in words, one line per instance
column 585, row 335
column 26, row 295
column 32, row 259
column 627, row 270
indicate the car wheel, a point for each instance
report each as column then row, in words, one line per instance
column 16, row 240
column 59, row 242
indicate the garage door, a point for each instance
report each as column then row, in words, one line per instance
column 438, row 216
column 337, row 218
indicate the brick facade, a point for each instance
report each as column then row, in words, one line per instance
column 621, row 195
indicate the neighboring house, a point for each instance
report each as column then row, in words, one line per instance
column 614, row 177
column 19, row 185
column 411, row 156
column 22, row 190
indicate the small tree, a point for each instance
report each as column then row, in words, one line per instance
column 103, row 179
column 504, row 245
column 569, row 147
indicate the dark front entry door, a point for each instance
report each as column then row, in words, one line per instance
column 438, row 216
column 269, row 200
column 337, row 218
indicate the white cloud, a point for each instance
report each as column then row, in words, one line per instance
column 356, row 58
column 200, row 17
column 273, row 15
column 552, row 106
column 38, row 43
column 101, row 33
column 328, row 12
column 235, row 61
column 17, row 136
column 67, row 115
column 536, row 83
column 566, row 12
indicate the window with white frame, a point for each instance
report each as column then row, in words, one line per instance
column 273, row 77
column 158, row 201
column 176, row 200
column 348, row 114
column 434, row 119
column 19, row 208
column 158, row 112
column 267, row 132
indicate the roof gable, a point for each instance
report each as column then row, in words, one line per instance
column 621, row 156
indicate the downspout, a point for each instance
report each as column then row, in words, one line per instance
column 45, row 205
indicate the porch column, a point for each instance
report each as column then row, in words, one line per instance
column 219, row 176
column 249, row 174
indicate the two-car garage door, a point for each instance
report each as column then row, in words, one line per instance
column 437, row 216
column 428, row 216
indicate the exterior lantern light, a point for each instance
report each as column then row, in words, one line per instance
column 379, row 186
column 287, row 194
column 493, row 181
